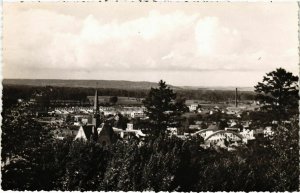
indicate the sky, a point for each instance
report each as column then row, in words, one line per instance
column 185, row 44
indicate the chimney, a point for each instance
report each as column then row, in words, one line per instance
column 236, row 103
column 96, row 105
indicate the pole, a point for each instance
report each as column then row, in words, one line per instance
column 236, row 103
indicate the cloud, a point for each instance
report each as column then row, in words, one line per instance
column 157, row 40
column 205, row 34
column 170, row 55
column 147, row 28
column 90, row 43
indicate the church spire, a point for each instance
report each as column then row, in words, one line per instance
column 96, row 117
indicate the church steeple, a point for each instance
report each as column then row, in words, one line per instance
column 96, row 117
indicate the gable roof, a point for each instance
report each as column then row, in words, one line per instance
column 88, row 130
column 85, row 132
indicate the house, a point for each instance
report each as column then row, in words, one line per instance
column 193, row 107
column 203, row 111
column 128, row 134
column 137, row 114
column 86, row 132
column 232, row 123
column 268, row 132
column 194, row 127
column 247, row 135
column 84, row 119
column 129, row 126
column 108, row 112
column 216, row 139
column 172, row 130
column 206, row 132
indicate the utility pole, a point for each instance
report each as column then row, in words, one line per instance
column 236, row 102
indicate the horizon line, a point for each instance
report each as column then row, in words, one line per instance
column 201, row 86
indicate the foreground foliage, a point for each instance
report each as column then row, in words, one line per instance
column 162, row 163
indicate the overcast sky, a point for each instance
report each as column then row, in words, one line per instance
column 192, row 44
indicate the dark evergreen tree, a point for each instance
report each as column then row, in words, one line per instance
column 113, row 100
column 121, row 122
column 163, row 109
column 278, row 93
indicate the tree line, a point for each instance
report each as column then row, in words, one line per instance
column 11, row 93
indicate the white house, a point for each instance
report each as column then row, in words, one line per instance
column 129, row 126
column 173, row 130
column 268, row 131
column 106, row 113
column 123, row 133
column 137, row 114
column 217, row 138
column 193, row 107
column 247, row 135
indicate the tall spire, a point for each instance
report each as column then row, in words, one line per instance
column 96, row 117
column 96, row 105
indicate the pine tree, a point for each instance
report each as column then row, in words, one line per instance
column 278, row 92
column 163, row 108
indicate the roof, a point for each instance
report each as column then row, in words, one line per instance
column 107, row 130
column 210, row 128
column 223, row 131
column 88, row 130
column 85, row 132
column 136, row 132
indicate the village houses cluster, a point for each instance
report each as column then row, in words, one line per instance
column 103, row 123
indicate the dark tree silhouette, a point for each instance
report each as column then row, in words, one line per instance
column 163, row 108
column 121, row 122
column 24, row 145
column 278, row 92
column 113, row 100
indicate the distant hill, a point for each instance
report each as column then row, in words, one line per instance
column 116, row 84
column 218, row 88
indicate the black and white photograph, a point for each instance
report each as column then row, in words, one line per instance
column 150, row 96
